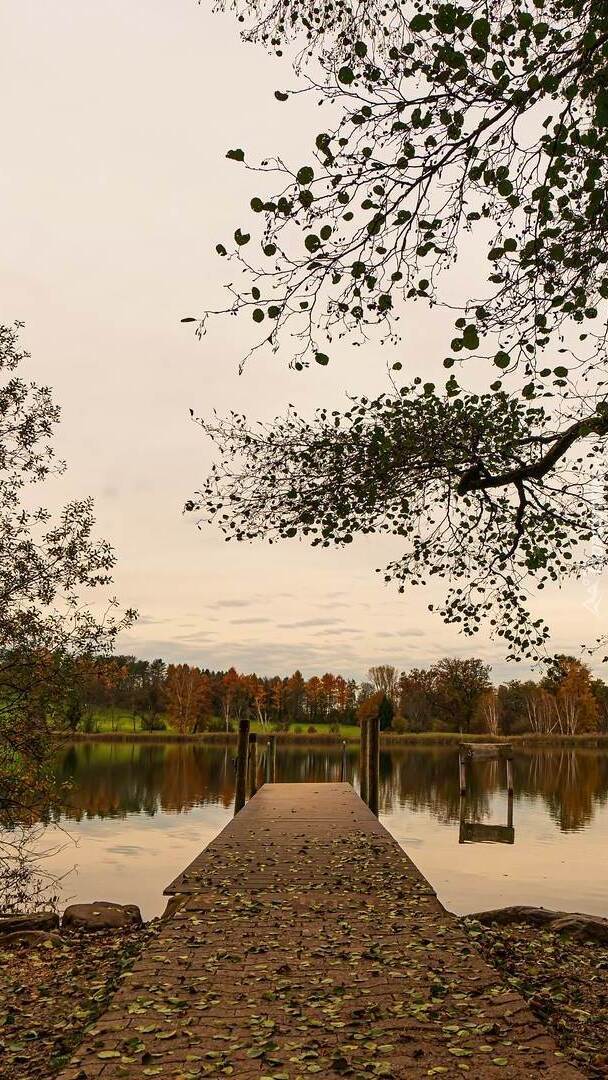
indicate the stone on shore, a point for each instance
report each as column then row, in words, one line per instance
column 102, row 915
column 580, row 927
column 41, row 920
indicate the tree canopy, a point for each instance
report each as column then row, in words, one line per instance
column 455, row 129
column 48, row 564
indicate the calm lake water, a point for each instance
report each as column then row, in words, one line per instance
column 136, row 814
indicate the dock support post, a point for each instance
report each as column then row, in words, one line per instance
column 373, row 758
column 253, row 763
column 271, row 760
column 240, row 793
column 363, row 766
column 343, row 762
column 509, row 775
column 462, row 773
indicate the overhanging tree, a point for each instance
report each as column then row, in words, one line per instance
column 455, row 128
column 48, row 564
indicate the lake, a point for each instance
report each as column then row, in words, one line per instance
column 135, row 814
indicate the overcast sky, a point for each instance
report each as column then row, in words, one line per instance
column 114, row 190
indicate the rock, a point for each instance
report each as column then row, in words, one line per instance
column 42, row 920
column 102, row 915
column 532, row 915
column 31, row 937
column 174, row 903
column 580, row 927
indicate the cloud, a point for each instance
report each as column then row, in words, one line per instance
column 230, row 603
column 309, row 622
column 252, row 620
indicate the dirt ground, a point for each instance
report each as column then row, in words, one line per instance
column 565, row 982
column 50, row 992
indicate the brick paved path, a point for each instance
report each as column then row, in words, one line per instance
column 309, row 944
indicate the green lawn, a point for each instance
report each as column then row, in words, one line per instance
column 106, row 721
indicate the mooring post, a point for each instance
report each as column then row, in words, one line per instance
column 240, row 793
column 510, row 810
column 509, row 761
column 462, row 772
column 343, row 763
column 373, row 758
column 253, row 763
column 271, row 760
column 363, row 766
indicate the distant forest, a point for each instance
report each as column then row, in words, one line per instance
column 451, row 695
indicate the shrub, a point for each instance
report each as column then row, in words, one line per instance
column 153, row 723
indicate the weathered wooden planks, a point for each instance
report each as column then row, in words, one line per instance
column 309, row 944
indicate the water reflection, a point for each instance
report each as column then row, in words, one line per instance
column 116, row 779
column 140, row 812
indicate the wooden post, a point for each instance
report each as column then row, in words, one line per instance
column 271, row 759
column 509, row 761
column 373, row 758
column 510, row 810
column 253, row 763
column 462, row 773
column 343, row 762
column 363, row 766
column 240, row 793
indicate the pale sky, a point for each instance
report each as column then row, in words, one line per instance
column 114, row 190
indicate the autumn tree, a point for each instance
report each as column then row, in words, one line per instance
column 385, row 678
column 49, row 565
column 416, row 689
column 481, row 126
column 187, row 696
column 488, row 711
column 458, row 685
column 569, row 682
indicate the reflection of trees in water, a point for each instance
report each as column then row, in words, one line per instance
column 114, row 779
column 573, row 783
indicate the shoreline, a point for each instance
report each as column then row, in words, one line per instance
column 564, row 981
column 221, row 738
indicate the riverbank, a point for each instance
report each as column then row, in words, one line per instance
column 387, row 738
column 52, row 991
column 564, row 981
column 50, row 994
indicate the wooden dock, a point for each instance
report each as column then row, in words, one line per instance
column 309, row 944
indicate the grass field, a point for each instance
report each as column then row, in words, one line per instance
column 106, row 721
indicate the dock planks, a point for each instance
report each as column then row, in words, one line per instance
column 309, row 944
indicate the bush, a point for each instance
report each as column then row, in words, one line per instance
column 89, row 723
column 334, row 729
column 312, row 730
column 153, row 723
column 212, row 723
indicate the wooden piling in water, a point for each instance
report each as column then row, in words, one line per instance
column 271, row 760
column 373, row 761
column 462, row 773
column 510, row 775
column 343, row 762
column 240, row 793
column 253, row 763
column 363, row 766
